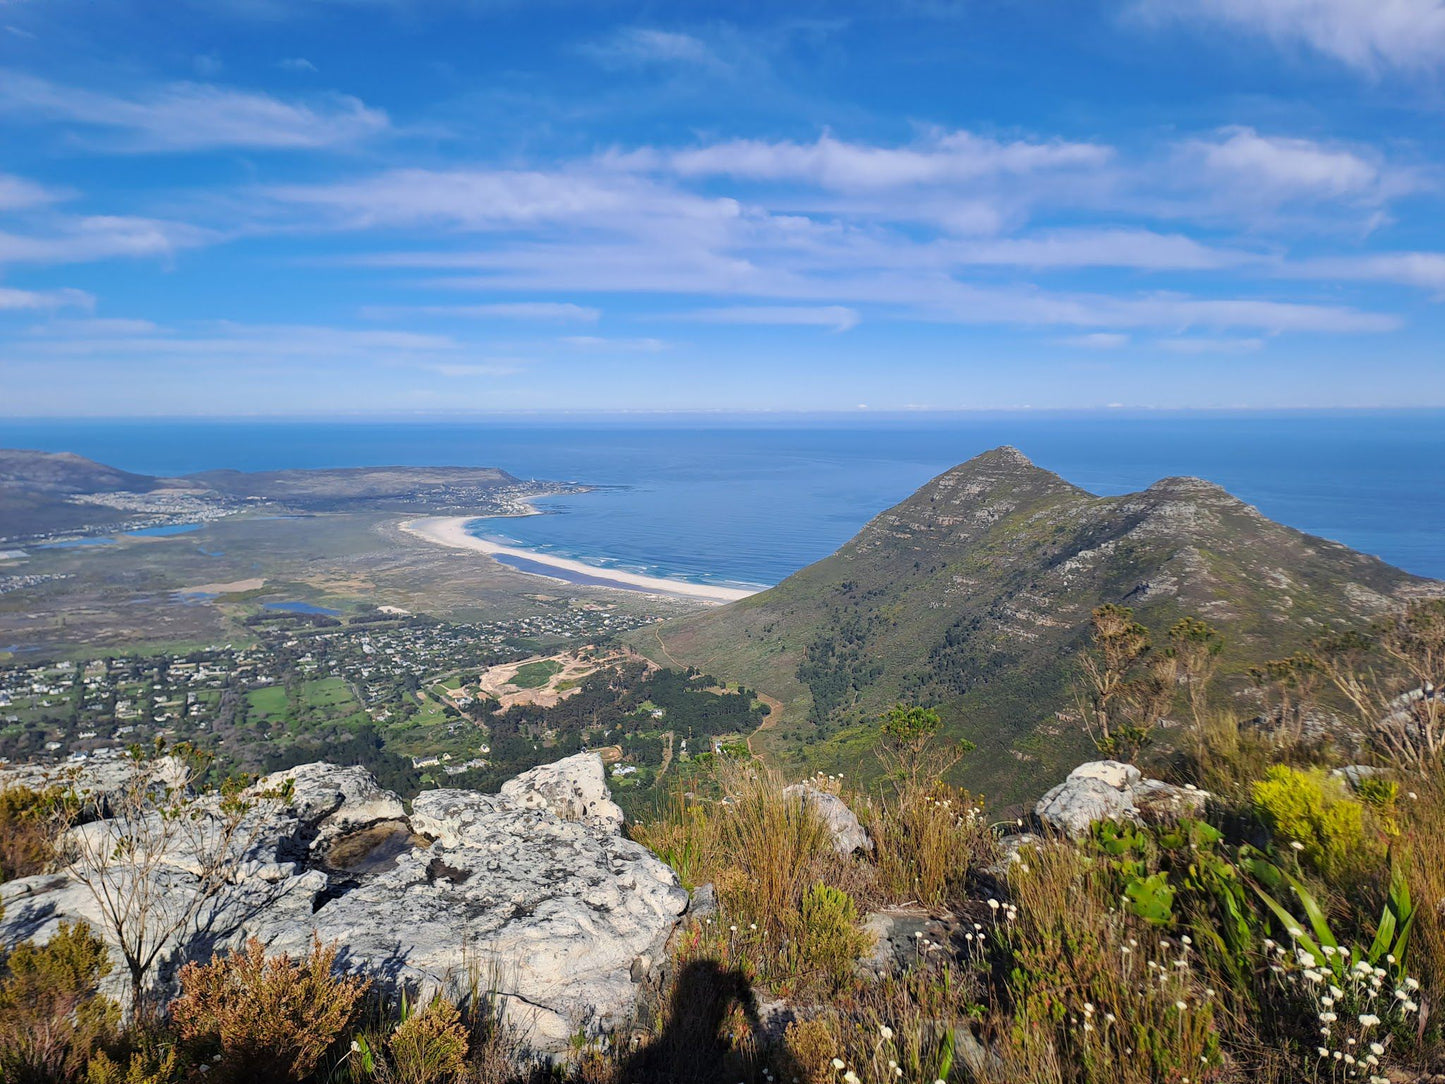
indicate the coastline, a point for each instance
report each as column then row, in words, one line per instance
column 451, row 531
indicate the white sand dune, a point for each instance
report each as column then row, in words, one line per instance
column 452, row 531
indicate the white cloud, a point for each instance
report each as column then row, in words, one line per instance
column 645, row 45
column 296, row 64
column 1166, row 311
column 1211, row 345
column 495, row 367
column 1368, row 35
column 483, row 199
column 254, row 344
column 16, row 193
column 1423, row 269
column 72, row 328
column 1134, row 248
column 12, row 300
column 554, row 311
column 1280, row 168
column 97, row 237
column 645, row 345
column 944, row 158
column 1096, row 340
column 594, row 227
column 833, row 317
column 192, row 116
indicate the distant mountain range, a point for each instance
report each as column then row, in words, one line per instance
column 48, row 493
column 974, row 596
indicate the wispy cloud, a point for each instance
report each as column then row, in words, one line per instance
column 82, row 239
column 495, row 367
column 546, row 311
column 631, row 46
column 1278, row 168
column 1207, row 345
column 1422, row 269
column 644, row 345
column 1371, row 36
column 191, row 116
column 945, row 157
column 12, row 300
column 17, row 193
column 229, row 342
column 1096, row 340
column 832, row 317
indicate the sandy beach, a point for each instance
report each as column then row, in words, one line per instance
column 452, row 531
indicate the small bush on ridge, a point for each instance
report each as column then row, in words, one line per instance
column 51, row 1017
column 270, row 1018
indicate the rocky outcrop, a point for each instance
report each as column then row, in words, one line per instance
column 849, row 836
column 333, row 800
column 1107, row 790
column 532, row 894
column 574, row 789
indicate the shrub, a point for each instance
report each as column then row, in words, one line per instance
column 1314, row 811
column 829, row 940
column 151, row 1067
column 26, row 820
column 429, row 1046
column 272, row 1018
column 51, row 1017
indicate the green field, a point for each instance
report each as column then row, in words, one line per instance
column 536, row 674
column 270, row 701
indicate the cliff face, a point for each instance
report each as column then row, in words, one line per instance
column 974, row 595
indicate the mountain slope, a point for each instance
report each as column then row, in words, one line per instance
column 35, row 488
column 974, row 595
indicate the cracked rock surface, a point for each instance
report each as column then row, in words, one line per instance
column 532, row 894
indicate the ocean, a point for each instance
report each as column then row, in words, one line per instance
column 746, row 501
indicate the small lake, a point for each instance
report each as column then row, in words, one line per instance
column 75, row 543
column 165, row 530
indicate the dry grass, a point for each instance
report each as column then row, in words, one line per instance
column 927, row 837
column 1422, row 846
column 1092, row 996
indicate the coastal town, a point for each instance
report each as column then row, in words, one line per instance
column 306, row 673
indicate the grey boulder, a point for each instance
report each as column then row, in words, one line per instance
column 848, row 835
column 1107, row 790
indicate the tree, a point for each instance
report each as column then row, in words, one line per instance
column 164, row 861
column 1392, row 677
column 1116, row 697
column 1287, row 685
column 1198, row 647
column 910, row 747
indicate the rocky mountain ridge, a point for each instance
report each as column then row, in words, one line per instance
column 973, row 595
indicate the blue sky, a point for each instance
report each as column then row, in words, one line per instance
column 425, row 206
